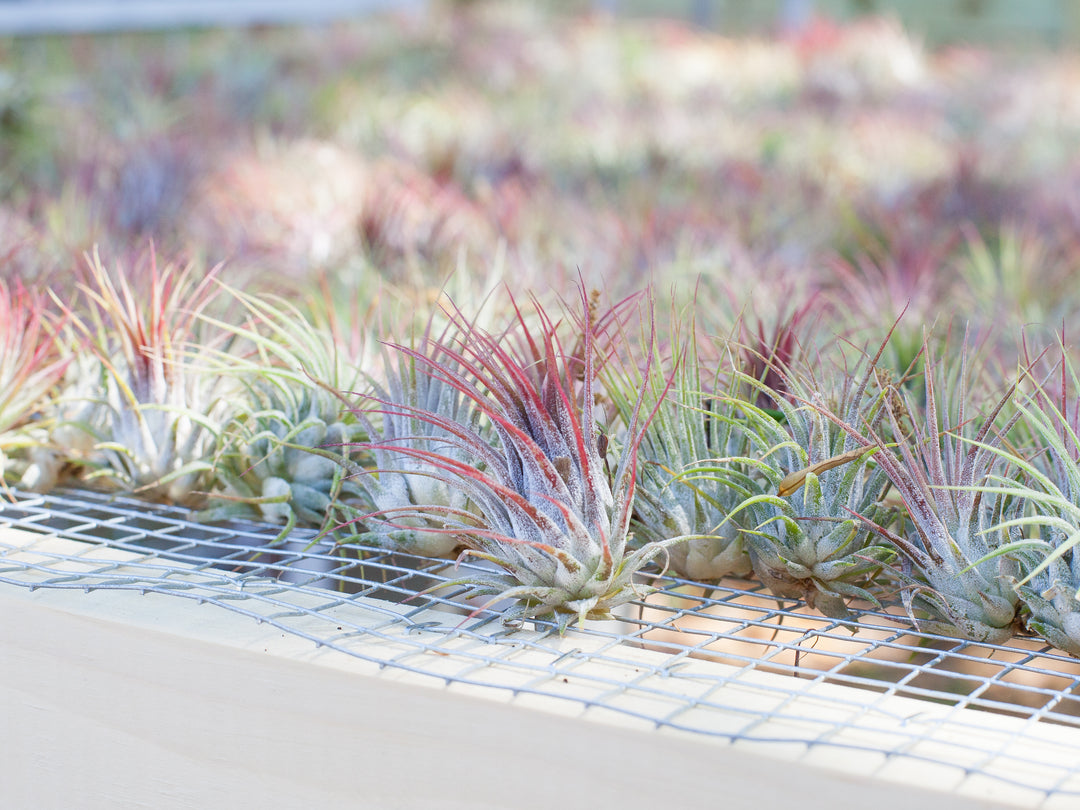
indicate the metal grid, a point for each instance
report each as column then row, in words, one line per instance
column 729, row 662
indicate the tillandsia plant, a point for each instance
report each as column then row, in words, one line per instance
column 134, row 412
column 283, row 457
column 895, row 273
column 1017, row 274
column 542, row 506
column 1045, row 489
column 31, row 367
column 953, row 583
column 693, row 469
column 765, row 356
column 808, row 542
column 404, row 500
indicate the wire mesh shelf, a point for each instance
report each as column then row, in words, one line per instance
column 729, row 662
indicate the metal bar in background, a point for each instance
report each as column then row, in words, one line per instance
column 68, row 16
column 1054, row 23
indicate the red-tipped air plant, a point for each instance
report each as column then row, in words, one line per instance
column 146, row 416
column 31, row 368
column 30, row 360
column 541, row 504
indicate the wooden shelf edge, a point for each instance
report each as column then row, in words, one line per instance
column 116, row 699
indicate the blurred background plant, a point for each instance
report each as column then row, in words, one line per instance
column 533, row 137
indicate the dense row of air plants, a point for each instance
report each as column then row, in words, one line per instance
column 610, row 144
column 569, row 454
column 829, row 181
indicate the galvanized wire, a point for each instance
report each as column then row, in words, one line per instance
column 728, row 661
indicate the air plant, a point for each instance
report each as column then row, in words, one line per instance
column 31, row 367
column 953, row 581
column 693, row 469
column 134, row 411
column 1046, row 490
column 765, row 356
column 282, row 457
column 542, row 506
column 807, row 541
column 894, row 273
column 1017, row 274
column 403, row 499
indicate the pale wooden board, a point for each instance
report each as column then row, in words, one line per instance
column 143, row 699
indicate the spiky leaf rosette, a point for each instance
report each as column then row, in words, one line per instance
column 1044, row 485
column 692, row 471
column 30, row 361
column 808, row 542
column 544, row 509
column 405, row 500
column 31, row 367
column 957, row 586
column 146, row 419
column 284, row 457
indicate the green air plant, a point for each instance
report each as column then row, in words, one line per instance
column 283, row 457
column 953, row 582
column 693, row 469
column 31, row 368
column 542, row 506
column 134, row 411
column 807, row 541
column 1046, row 491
